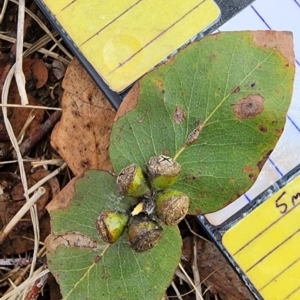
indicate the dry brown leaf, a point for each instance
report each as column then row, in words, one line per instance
column 129, row 102
column 18, row 116
column 58, row 69
column 221, row 278
column 63, row 199
column 82, row 135
column 35, row 70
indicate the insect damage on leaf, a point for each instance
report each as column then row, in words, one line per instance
column 249, row 107
column 179, row 115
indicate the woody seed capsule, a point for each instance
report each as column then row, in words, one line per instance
column 143, row 233
column 163, row 171
column 111, row 225
column 171, row 206
column 131, row 182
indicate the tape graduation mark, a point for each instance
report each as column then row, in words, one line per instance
column 124, row 39
column 262, row 241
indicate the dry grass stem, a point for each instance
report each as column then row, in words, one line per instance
column 195, row 268
column 29, row 106
column 21, row 277
column 182, row 277
column 41, row 24
column 25, row 126
column 17, row 290
column 191, row 282
column 19, row 75
column 28, row 276
column 176, row 290
column 3, row 10
column 34, row 47
column 45, row 163
column 45, row 179
column 14, row 142
column 195, row 233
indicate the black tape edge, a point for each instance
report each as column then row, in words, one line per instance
column 114, row 98
column 216, row 232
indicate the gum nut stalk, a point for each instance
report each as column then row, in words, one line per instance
column 143, row 233
column 163, row 171
column 172, row 206
column 111, row 225
column 131, row 182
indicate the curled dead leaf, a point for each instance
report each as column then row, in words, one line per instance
column 82, row 136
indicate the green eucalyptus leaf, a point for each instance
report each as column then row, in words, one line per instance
column 218, row 108
column 87, row 268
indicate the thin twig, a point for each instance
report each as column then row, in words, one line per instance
column 20, row 261
column 31, row 141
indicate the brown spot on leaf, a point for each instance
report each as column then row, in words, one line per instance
column 278, row 131
column 263, row 128
column 249, row 107
column 166, row 152
column 261, row 163
column 212, row 57
column 179, row 115
column 190, row 177
column 159, row 83
column 252, row 176
column 282, row 41
column 253, row 84
column 248, row 169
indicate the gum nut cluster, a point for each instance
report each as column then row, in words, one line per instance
column 156, row 202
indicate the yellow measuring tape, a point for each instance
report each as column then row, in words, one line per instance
column 124, row 39
column 265, row 244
